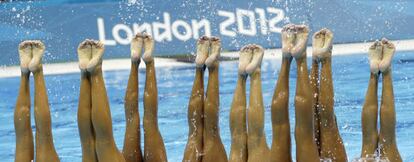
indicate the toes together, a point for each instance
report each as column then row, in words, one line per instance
column 380, row 55
column 31, row 54
column 142, row 42
column 90, row 54
column 250, row 59
column 208, row 51
column 294, row 40
column 322, row 44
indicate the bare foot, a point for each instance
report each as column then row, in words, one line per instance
column 203, row 45
column 84, row 54
column 97, row 49
column 148, row 48
column 25, row 55
column 299, row 49
column 257, row 58
column 322, row 44
column 136, row 47
column 215, row 48
column 245, row 58
column 388, row 51
column 288, row 39
column 38, row 49
column 375, row 56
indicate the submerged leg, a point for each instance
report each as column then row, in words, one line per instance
column 132, row 139
column 281, row 143
column 370, row 108
column 306, row 148
column 154, row 149
column 106, row 149
column 45, row 149
column 194, row 148
column 256, row 138
column 387, row 139
column 23, row 129
column 213, row 147
column 238, row 127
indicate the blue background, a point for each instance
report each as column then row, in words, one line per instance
column 63, row 24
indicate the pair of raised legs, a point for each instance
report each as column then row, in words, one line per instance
column 204, row 142
column 94, row 116
column 247, row 134
column 380, row 55
column 328, row 139
column 294, row 41
column 31, row 53
column 154, row 149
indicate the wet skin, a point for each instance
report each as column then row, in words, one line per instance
column 94, row 116
column 195, row 114
column 194, row 148
column 213, row 147
column 281, row 143
column 32, row 51
column 154, row 149
column 385, row 142
column 86, row 132
column 22, row 125
column 328, row 139
column 257, row 146
column 238, row 126
column 132, row 139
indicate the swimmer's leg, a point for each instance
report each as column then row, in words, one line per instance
column 238, row 127
column 194, row 148
column 154, row 149
column 306, row 148
column 317, row 44
column 331, row 143
column 22, row 126
column 87, row 134
column 281, row 145
column 314, row 82
column 256, row 138
column 370, row 108
column 132, row 139
column 45, row 149
column 213, row 147
column 281, row 142
column 387, row 139
column 106, row 149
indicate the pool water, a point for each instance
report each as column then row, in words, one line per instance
column 350, row 74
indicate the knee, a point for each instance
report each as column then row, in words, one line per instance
column 301, row 101
column 280, row 98
column 22, row 112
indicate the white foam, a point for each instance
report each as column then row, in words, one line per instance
column 125, row 64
